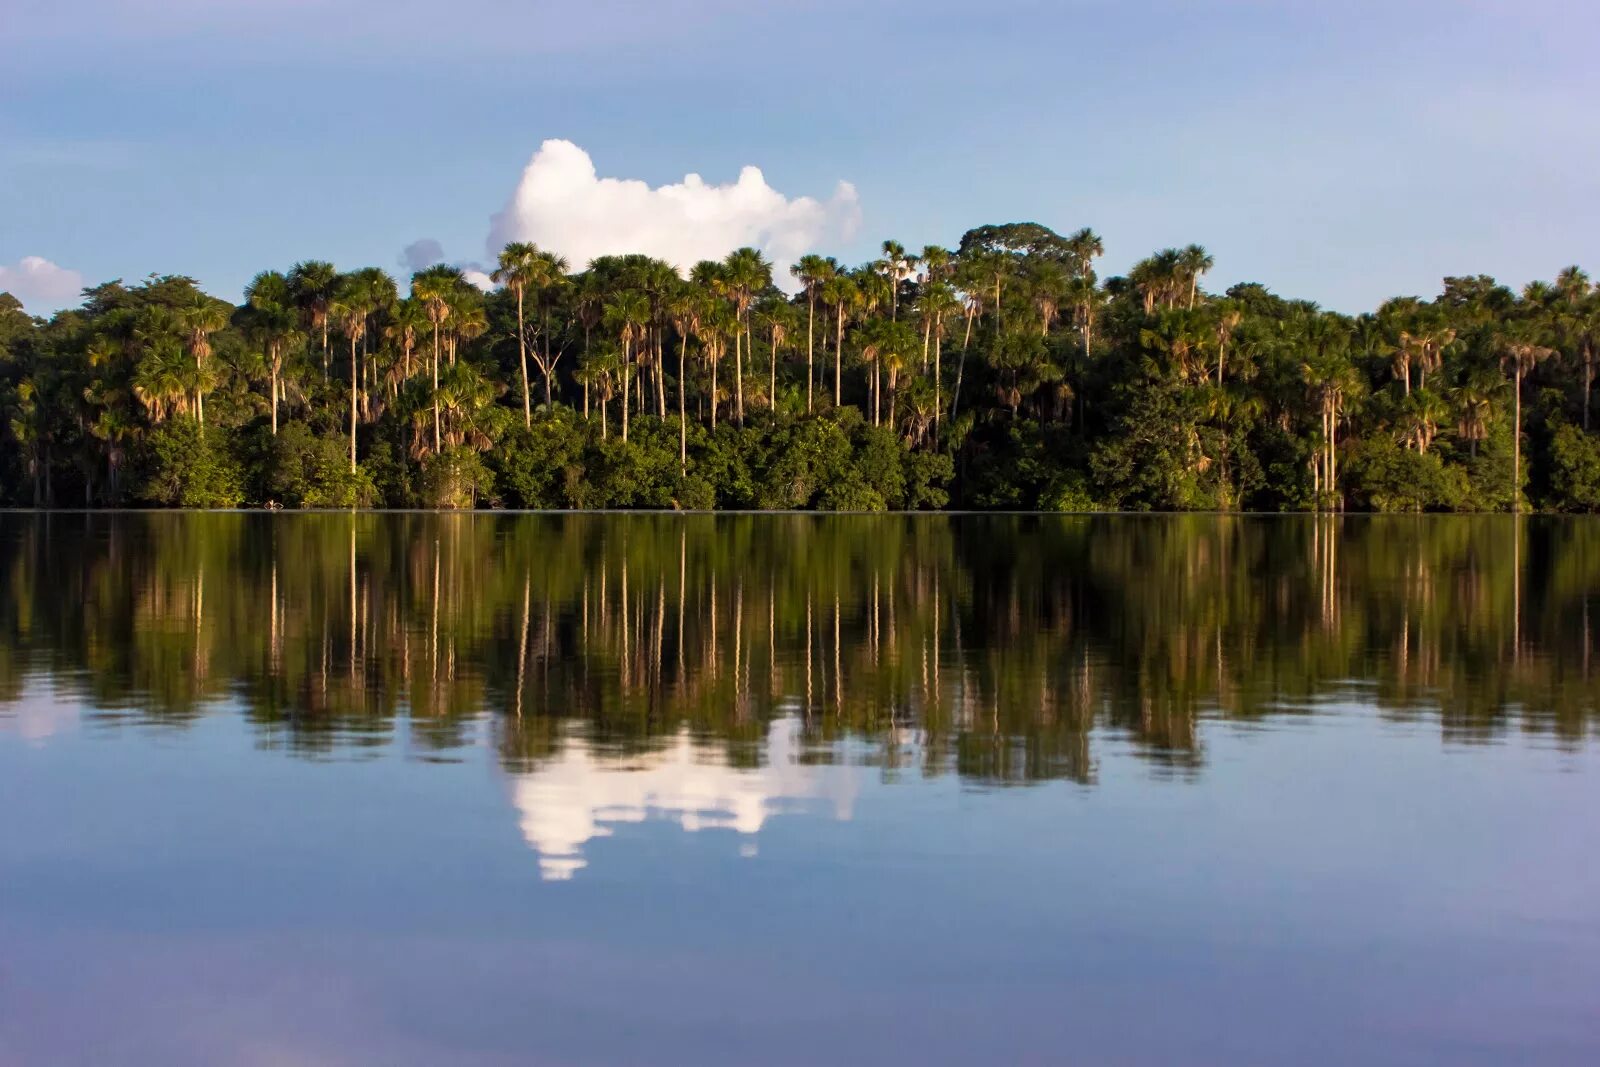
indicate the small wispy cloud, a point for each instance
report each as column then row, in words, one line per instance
column 562, row 204
column 426, row 252
column 40, row 284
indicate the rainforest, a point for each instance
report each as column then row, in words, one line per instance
column 1003, row 374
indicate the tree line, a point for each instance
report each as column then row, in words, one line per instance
column 1002, row 374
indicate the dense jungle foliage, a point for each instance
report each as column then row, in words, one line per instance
column 1003, row 374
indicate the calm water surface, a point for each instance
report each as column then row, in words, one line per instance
column 421, row 789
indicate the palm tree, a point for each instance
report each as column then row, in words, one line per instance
column 272, row 323
column 312, row 282
column 200, row 318
column 349, row 309
column 778, row 314
column 162, row 379
column 813, row 272
column 1195, row 261
column 627, row 316
column 1227, row 320
column 1474, row 404
column 518, row 269
column 436, row 288
column 896, row 265
column 379, row 294
column 936, row 304
column 1085, row 247
column 409, row 319
column 1047, row 282
column 746, row 273
column 683, row 309
column 1520, row 352
column 841, row 293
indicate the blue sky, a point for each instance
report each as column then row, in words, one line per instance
column 1342, row 152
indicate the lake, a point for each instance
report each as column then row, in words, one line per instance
column 506, row 789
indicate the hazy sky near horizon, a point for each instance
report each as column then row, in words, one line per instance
column 1340, row 152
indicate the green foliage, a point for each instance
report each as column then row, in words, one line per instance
column 1006, row 374
column 307, row 471
column 455, row 478
column 1386, row 477
column 186, row 467
column 1575, row 469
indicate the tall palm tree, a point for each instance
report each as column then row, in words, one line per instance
column 518, row 270
column 746, row 273
column 406, row 324
column 1474, row 405
column 380, row 295
column 813, row 272
column 200, row 318
column 1195, row 261
column 272, row 323
column 684, row 306
column 627, row 316
column 313, row 282
column 841, row 294
column 936, row 305
column 349, row 309
column 1084, row 247
column 1520, row 352
column 436, row 289
column 896, row 265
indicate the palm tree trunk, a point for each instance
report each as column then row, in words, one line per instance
column 436, row 388
column 772, row 376
column 273, row 363
column 683, row 422
column 661, row 375
column 354, row 386
column 627, row 378
column 738, row 375
column 1516, row 450
column 522, row 352
column 938, row 381
column 1588, row 384
column 838, row 356
column 810, row 349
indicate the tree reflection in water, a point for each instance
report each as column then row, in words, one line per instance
column 991, row 647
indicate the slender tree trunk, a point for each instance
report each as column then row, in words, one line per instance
column 275, row 363
column 838, row 356
column 1516, row 449
column 522, row 352
column 716, row 357
column 661, row 375
column 938, row 381
column 772, row 376
column 627, row 356
column 738, row 375
column 683, row 422
column 1588, row 384
column 810, row 349
column 877, row 387
column 436, row 388
column 354, row 386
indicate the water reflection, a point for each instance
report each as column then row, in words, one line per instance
column 581, row 792
column 675, row 644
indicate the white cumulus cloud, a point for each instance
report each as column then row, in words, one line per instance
column 40, row 284
column 562, row 204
